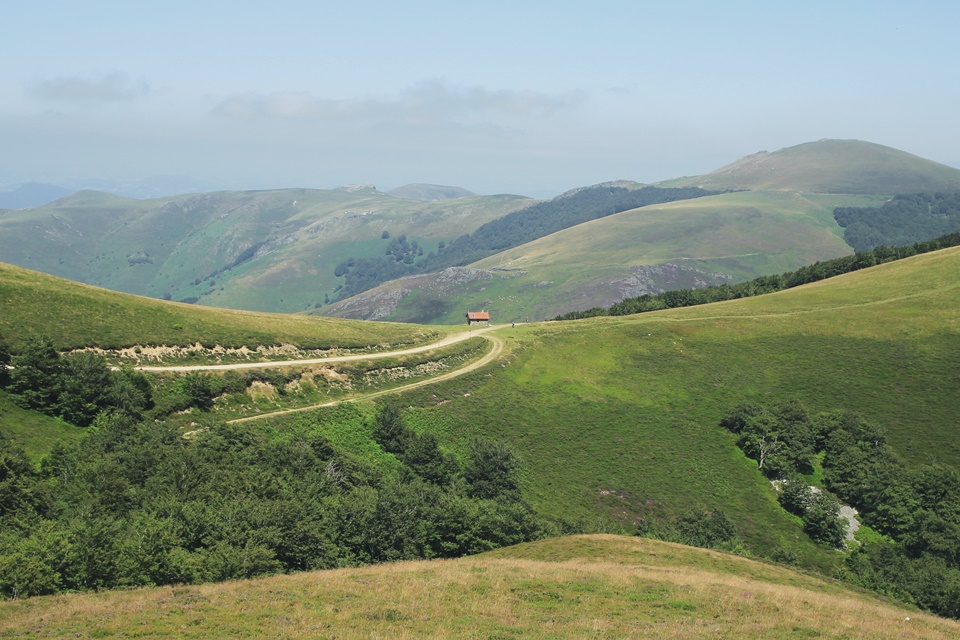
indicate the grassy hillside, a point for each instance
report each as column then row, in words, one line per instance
column 263, row 250
column 583, row 586
column 418, row 191
column 619, row 416
column 831, row 166
column 76, row 315
column 34, row 432
column 711, row 240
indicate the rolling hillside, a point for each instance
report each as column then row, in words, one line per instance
column 584, row 586
column 699, row 242
column 429, row 192
column 831, row 166
column 619, row 416
column 616, row 420
column 264, row 251
column 784, row 221
column 77, row 315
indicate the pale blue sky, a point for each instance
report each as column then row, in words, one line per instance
column 520, row 97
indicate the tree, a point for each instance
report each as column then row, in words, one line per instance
column 794, row 494
column 130, row 391
column 85, row 389
column 390, row 432
column 4, row 363
column 198, row 388
column 36, row 380
column 822, row 521
column 493, row 471
column 706, row 529
column 424, row 456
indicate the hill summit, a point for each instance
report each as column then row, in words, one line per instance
column 429, row 192
column 832, row 166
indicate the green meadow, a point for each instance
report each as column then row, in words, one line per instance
column 599, row 586
column 617, row 418
column 76, row 315
column 742, row 234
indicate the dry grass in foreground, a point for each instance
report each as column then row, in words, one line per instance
column 577, row 587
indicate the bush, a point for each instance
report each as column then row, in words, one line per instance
column 4, row 363
column 822, row 521
column 35, row 380
column 493, row 471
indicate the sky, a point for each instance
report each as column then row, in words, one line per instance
column 532, row 98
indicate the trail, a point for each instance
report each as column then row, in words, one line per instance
column 455, row 338
column 493, row 354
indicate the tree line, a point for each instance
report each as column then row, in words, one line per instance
column 902, row 220
column 764, row 284
column 136, row 503
column 916, row 511
column 76, row 387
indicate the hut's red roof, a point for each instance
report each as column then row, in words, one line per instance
column 478, row 315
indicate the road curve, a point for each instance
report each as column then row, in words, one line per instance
column 492, row 355
column 455, row 338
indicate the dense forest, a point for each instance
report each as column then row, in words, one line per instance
column 902, row 220
column 512, row 230
column 137, row 503
column 764, row 284
column 914, row 552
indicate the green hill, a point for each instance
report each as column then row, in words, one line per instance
column 619, row 416
column 77, row 315
column 698, row 242
column 831, row 166
column 419, row 191
column 578, row 587
column 262, row 250
column 615, row 420
column 784, row 221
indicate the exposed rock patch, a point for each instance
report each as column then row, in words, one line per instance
column 654, row 279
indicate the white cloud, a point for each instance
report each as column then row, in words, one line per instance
column 112, row 87
column 427, row 102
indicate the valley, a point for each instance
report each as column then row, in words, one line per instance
column 303, row 444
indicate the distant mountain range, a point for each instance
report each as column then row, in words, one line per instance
column 778, row 216
column 31, row 194
column 257, row 250
column 300, row 250
column 429, row 192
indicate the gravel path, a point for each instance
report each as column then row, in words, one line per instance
column 455, row 338
column 493, row 354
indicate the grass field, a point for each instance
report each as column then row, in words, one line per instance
column 742, row 235
column 617, row 418
column 76, row 315
column 577, row 587
column 34, row 432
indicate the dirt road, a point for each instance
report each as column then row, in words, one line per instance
column 493, row 354
column 455, row 338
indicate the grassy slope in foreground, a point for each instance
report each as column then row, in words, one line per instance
column 77, row 315
column 619, row 416
column 581, row 586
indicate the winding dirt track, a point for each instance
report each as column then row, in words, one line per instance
column 493, row 354
column 455, row 338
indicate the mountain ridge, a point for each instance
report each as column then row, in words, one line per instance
column 832, row 166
